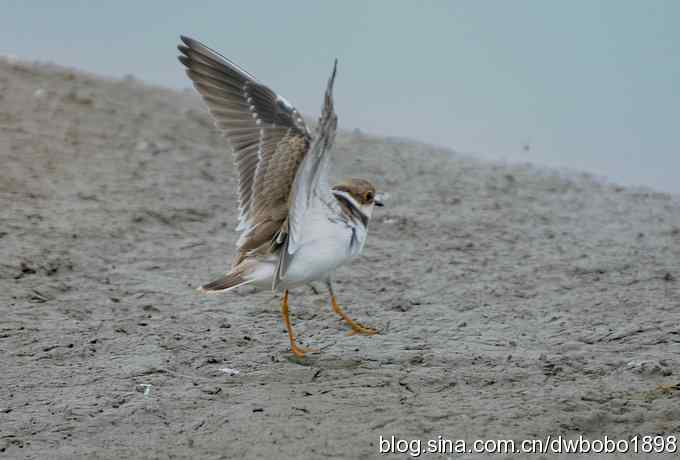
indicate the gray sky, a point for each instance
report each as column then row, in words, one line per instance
column 591, row 85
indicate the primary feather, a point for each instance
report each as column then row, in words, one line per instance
column 268, row 136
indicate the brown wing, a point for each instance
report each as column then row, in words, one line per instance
column 268, row 136
column 273, row 182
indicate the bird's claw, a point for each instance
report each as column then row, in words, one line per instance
column 300, row 351
column 360, row 329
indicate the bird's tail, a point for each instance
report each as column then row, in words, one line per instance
column 230, row 281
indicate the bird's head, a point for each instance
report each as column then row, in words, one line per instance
column 359, row 193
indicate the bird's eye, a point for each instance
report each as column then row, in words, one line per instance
column 368, row 197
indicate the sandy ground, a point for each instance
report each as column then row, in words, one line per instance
column 513, row 302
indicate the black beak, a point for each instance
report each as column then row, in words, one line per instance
column 378, row 200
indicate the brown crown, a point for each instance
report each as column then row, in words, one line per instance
column 359, row 189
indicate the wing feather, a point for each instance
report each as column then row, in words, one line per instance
column 311, row 180
column 268, row 136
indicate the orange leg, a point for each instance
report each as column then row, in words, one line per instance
column 357, row 328
column 294, row 348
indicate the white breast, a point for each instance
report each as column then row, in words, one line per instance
column 326, row 244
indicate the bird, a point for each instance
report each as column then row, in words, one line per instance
column 294, row 227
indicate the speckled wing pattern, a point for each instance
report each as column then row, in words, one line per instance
column 268, row 136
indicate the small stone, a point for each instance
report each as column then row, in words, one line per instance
column 647, row 367
column 230, row 371
column 211, row 390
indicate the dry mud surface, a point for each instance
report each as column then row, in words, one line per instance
column 513, row 302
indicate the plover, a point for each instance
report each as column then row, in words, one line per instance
column 294, row 227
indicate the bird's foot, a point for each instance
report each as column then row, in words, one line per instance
column 360, row 329
column 357, row 328
column 300, row 351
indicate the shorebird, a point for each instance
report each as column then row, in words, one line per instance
column 294, row 227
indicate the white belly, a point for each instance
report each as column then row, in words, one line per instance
column 317, row 259
column 325, row 247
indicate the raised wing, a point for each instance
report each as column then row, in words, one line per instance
column 311, row 181
column 268, row 136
